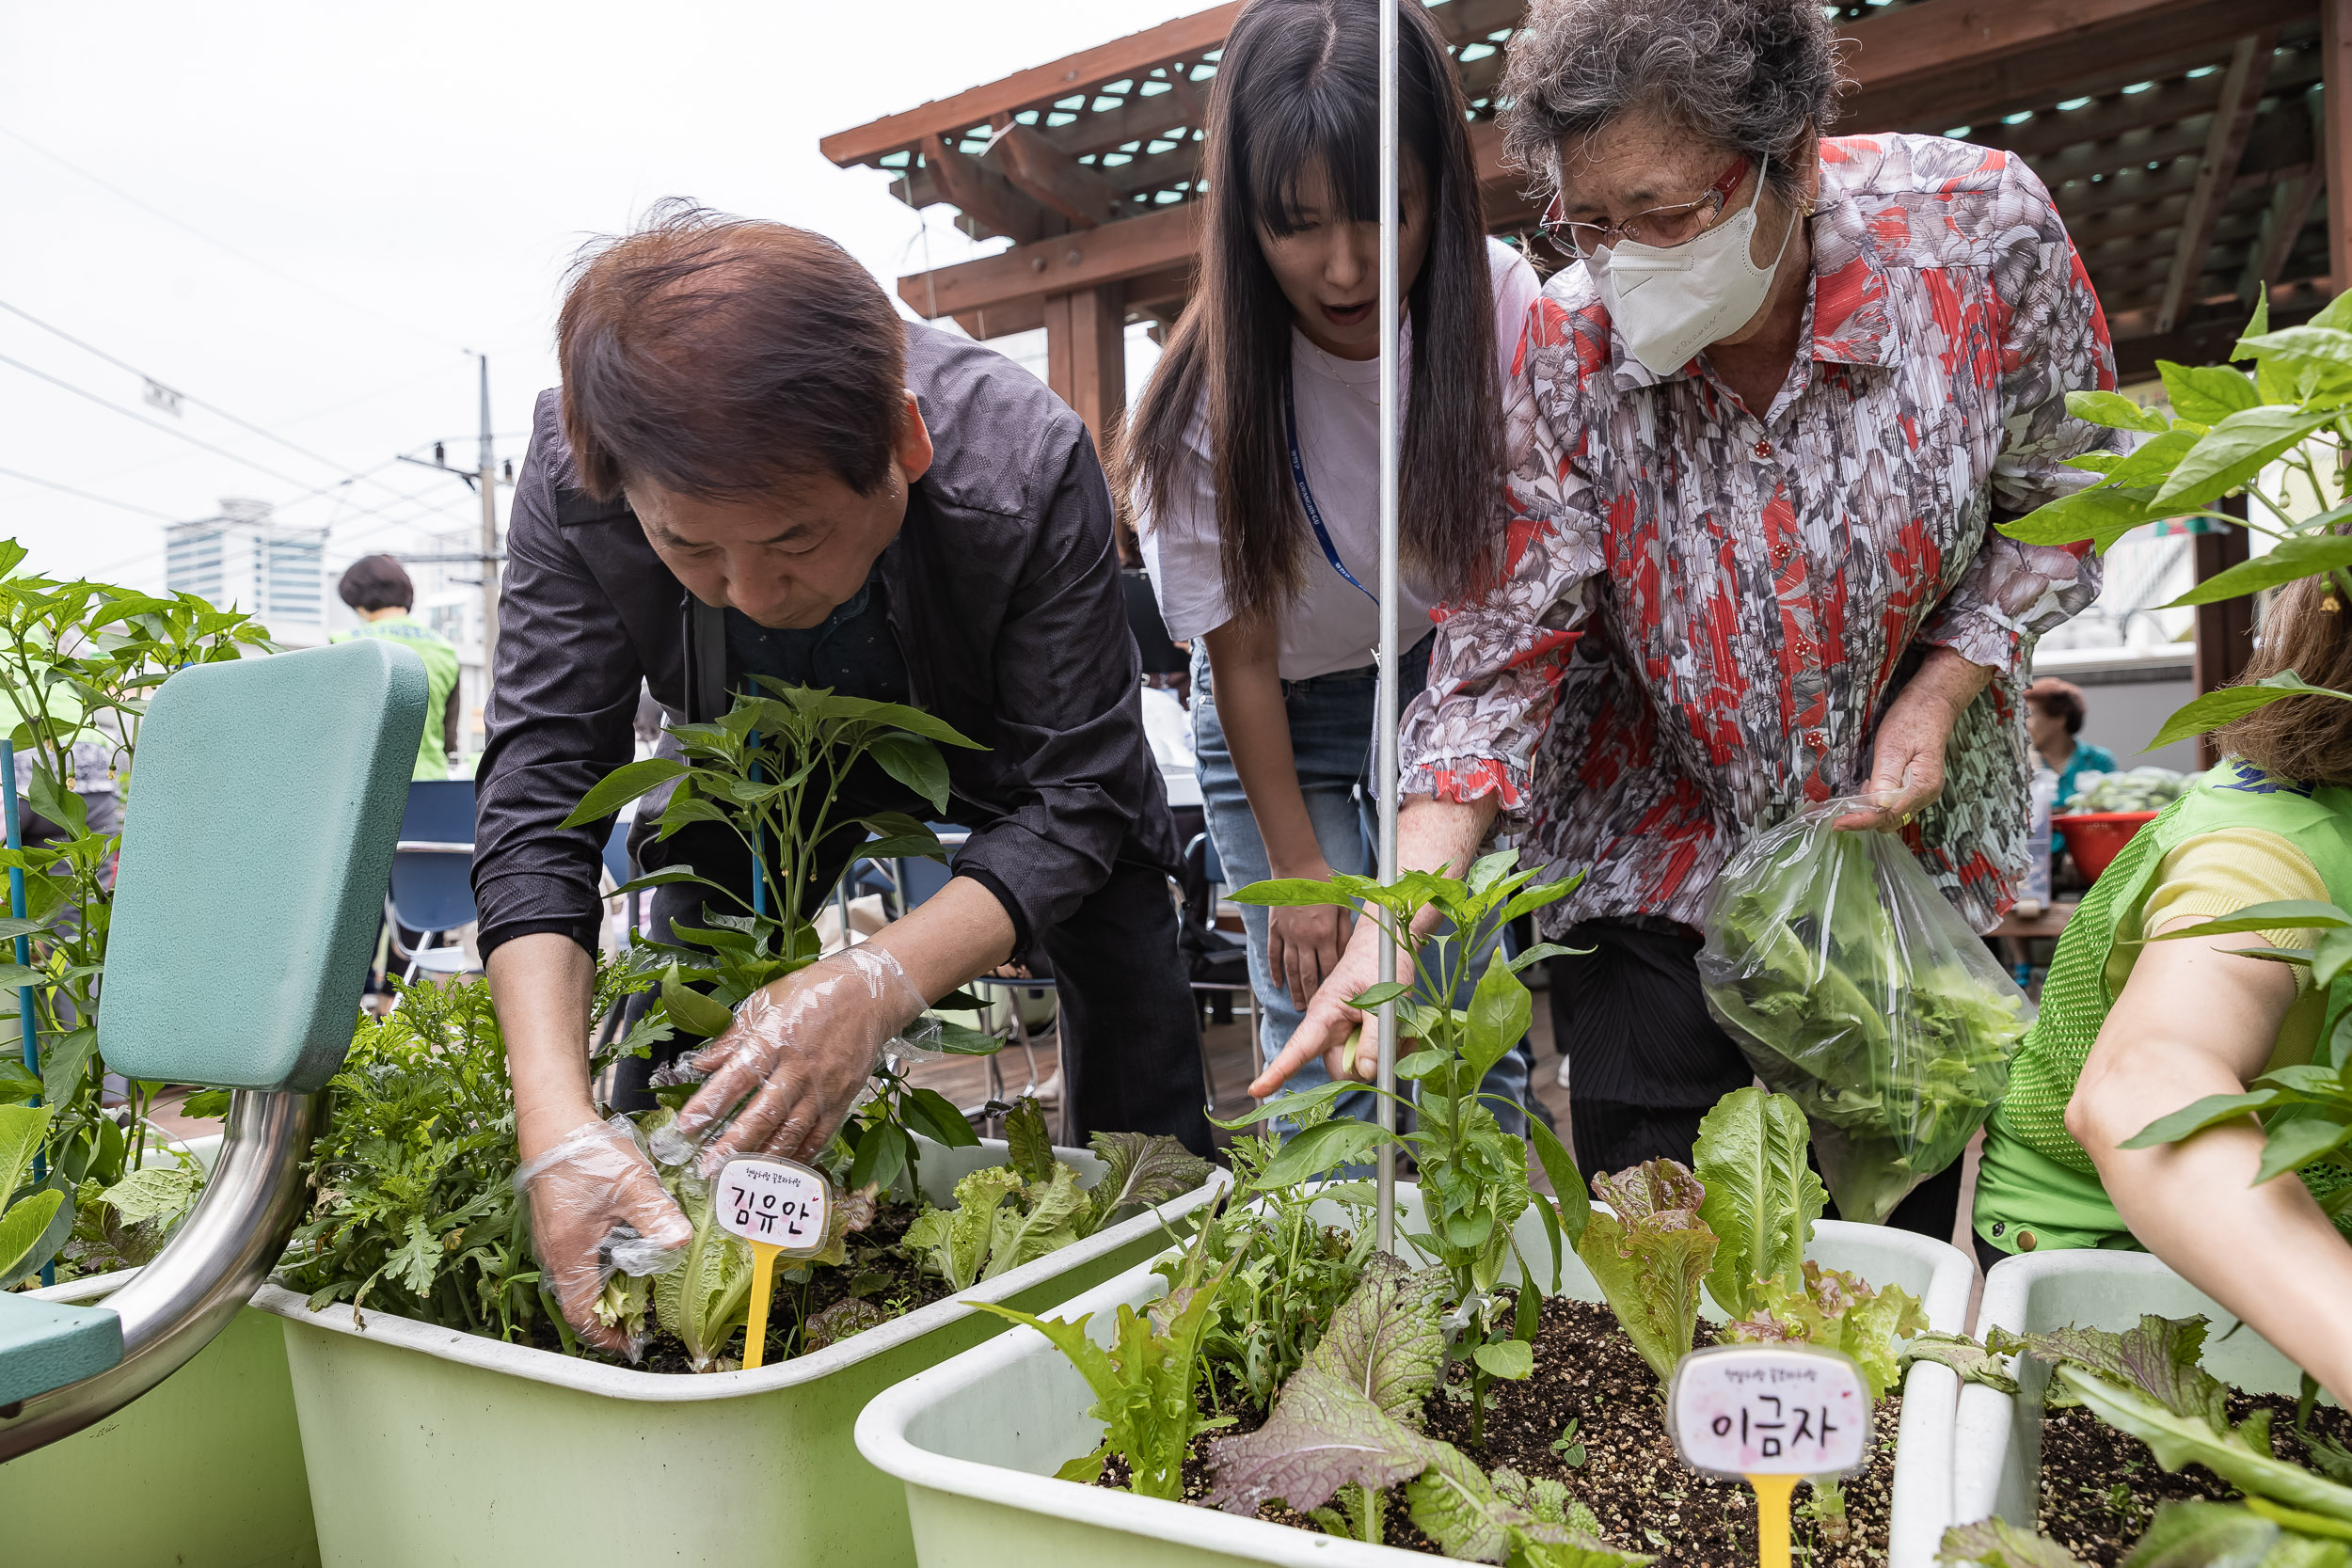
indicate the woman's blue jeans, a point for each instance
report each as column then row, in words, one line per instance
column 1331, row 722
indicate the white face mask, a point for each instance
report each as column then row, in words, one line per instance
column 1670, row 304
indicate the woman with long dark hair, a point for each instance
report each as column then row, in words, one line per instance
column 1761, row 441
column 1253, row 460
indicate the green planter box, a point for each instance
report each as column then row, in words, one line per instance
column 1997, row 1437
column 977, row 1440
column 425, row 1444
column 205, row 1471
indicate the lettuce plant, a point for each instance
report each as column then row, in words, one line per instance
column 1650, row 1251
column 999, row 1222
column 1740, row 1229
column 1349, row 1425
column 1146, row 1384
column 1838, row 1311
column 1010, row 1214
column 1762, row 1196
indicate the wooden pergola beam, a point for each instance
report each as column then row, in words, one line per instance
column 2282, row 224
column 1186, row 37
column 1939, row 63
column 1054, row 179
column 1109, row 254
column 2232, row 122
column 983, row 196
column 2335, row 51
column 2004, row 56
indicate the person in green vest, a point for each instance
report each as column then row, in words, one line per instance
column 378, row 589
column 2132, row 1030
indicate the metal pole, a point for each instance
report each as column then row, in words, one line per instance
column 488, row 484
column 1384, row 1233
column 23, row 957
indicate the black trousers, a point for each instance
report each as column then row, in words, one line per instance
column 1646, row 1061
column 1130, row 1037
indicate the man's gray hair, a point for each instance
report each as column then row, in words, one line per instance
column 1758, row 76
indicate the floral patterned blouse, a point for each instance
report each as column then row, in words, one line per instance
column 1702, row 615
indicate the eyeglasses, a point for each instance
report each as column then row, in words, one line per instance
column 1661, row 228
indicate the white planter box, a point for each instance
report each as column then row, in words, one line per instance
column 427, row 1445
column 976, row 1439
column 1997, row 1439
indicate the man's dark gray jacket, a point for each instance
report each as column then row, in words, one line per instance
column 1004, row 595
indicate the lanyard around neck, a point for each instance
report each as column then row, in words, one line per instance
column 1306, row 496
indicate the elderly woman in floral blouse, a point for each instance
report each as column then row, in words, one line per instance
column 1760, row 440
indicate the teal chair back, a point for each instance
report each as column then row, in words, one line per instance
column 257, row 845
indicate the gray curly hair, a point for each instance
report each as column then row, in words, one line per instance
column 1758, row 76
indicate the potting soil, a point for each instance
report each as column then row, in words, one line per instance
column 1648, row 1500
column 2099, row 1487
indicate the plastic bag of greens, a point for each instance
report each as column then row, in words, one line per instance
column 1854, row 988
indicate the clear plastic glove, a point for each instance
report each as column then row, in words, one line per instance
column 796, row 1060
column 597, row 1208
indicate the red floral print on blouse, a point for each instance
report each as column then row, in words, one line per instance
column 1703, row 614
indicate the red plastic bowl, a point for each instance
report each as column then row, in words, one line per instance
column 2094, row 838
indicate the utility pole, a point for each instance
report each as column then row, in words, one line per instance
column 489, row 487
column 487, row 478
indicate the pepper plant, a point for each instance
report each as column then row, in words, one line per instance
column 79, row 661
column 771, row 772
column 1472, row 1174
column 2228, row 427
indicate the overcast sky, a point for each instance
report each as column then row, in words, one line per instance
column 362, row 193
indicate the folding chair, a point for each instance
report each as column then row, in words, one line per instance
column 432, row 888
column 290, row 879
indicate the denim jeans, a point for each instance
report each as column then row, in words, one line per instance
column 1331, row 723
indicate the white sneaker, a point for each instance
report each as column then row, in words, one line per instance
column 1049, row 1092
column 1561, row 1077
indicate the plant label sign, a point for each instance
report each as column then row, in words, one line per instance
column 1768, row 1409
column 776, row 1203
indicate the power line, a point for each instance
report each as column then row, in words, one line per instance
column 307, row 489
column 102, row 501
column 125, row 365
column 224, row 245
column 419, row 520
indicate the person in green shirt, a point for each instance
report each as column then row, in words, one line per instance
column 377, row 586
column 2132, row 1030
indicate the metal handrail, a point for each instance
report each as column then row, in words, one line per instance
column 432, row 846
column 212, row 1264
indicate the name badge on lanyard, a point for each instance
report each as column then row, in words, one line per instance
column 1306, row 496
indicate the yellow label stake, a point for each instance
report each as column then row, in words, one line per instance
column 780, row 1207
column 756, row 1332
column 1774, row 1496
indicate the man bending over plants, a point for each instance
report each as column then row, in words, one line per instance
column 754, row 468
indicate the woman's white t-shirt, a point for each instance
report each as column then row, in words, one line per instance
column 1333, row 624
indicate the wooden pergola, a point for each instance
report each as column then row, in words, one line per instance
column 2190, row 145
